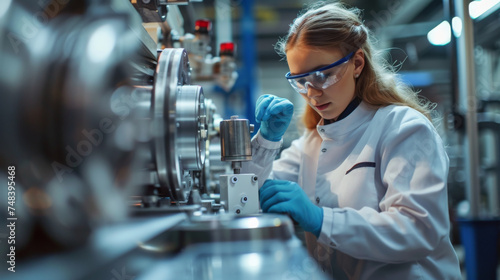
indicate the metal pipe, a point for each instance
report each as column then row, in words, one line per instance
column 468, row 104
column 223, row 22
column 449, row 13
column 249, row 57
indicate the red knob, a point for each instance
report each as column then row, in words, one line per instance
column 203, row 25
column 227, row 48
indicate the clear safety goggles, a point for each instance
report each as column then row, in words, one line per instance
column 321, row 78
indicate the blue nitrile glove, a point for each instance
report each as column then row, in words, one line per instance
column 278, row 196
column 274, row 113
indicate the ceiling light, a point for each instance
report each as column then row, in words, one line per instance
column 440, row 35
column 477, row 8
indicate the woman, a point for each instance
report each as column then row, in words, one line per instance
column 367, row 179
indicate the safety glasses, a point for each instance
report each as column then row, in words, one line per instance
column 321, row 78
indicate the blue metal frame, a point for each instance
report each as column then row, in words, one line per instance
column 248, row 70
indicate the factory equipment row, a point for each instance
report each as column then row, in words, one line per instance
column 116, row 164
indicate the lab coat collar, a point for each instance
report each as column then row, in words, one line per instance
column 363, row 113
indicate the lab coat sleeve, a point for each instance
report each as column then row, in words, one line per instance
column 263, row 154
column 413, row 217
column 287, row 167
column 265, row 166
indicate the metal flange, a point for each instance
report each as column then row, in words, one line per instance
column 179, row 117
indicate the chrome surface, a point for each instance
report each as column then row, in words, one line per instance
column 235, row 140
column 268, row 259
column 172, row 71
column 229, row 228
column 179, row 121
column 192, row 127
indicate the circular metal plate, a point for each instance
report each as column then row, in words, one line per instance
column 180, row 122
column 191, row 126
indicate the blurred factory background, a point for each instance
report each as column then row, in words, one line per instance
column 115, row 164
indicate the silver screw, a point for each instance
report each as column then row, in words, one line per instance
column 234, row 179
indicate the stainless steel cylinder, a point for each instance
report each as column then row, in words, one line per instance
column 235, row 140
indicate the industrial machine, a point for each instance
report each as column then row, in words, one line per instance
column 116, row 162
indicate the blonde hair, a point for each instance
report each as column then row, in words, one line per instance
column 328, row 26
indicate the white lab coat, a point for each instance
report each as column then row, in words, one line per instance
column 380, row 177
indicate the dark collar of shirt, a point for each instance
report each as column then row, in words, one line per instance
column 348, row 110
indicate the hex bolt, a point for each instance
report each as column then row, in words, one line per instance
column 234, row 179
column 254, row 179
column 238, row 211
column 244, row 199
column 203, row 134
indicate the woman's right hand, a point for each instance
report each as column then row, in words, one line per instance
column 274, row 115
